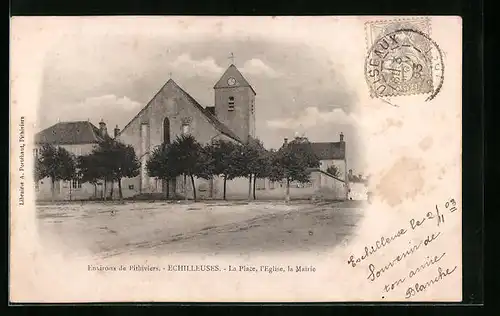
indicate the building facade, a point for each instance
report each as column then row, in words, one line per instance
column 173, row 112
column 322, row 183
column 79, row 138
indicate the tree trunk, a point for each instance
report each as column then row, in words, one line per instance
column 120, row 189
column 250, row 187
column 225, row 180
column 104, row 191
column 254, row 181
column 211, row 186
column 168, row 189
column 287, row 197
column 70, row 187
column 194, row 189
column 53, row 188
column 111, row 190
column 95, row 191
column 185, row 189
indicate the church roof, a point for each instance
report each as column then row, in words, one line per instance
column 232, row 71
column 210, row 109
column 69, row 133
column 206, row 112
column 325, row 150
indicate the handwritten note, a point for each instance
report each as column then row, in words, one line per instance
column 410, row 281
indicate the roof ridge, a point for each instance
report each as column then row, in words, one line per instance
column 212, row 119
column 146, row 106
column 69, row 132
column 93, row 129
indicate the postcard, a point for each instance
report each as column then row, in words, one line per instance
column 235, row 159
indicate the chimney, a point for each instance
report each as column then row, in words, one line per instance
column 285, row 142
column 116, row 131
column 341, row 137
column 103, row 129
column 350, row 177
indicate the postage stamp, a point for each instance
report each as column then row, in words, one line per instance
column 402, row 59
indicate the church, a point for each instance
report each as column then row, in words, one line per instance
column 173, row 112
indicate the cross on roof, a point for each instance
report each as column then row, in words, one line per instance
column 232, row 58
column 170, row 74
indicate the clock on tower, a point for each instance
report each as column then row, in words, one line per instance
column 234, row 103
column 231, row 81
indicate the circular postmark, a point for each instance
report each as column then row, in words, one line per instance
column 404, row 62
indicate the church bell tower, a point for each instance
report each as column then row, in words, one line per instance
column 235, row 103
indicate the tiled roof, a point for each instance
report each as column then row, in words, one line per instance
column 325, row 151
column 69, row 133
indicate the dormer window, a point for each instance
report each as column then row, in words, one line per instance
column 231, row 103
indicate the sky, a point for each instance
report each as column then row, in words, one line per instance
column 303, row 88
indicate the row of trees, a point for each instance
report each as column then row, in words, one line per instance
column 188, row 158
column 111, row 161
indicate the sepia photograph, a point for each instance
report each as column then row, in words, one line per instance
column 302, row 159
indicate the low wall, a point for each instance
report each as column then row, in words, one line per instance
column 322, row 186
column 328, row 187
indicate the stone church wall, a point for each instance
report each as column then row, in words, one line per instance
column 170, row 102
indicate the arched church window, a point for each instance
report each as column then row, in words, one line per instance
column 166, row 131
column 231, row 103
